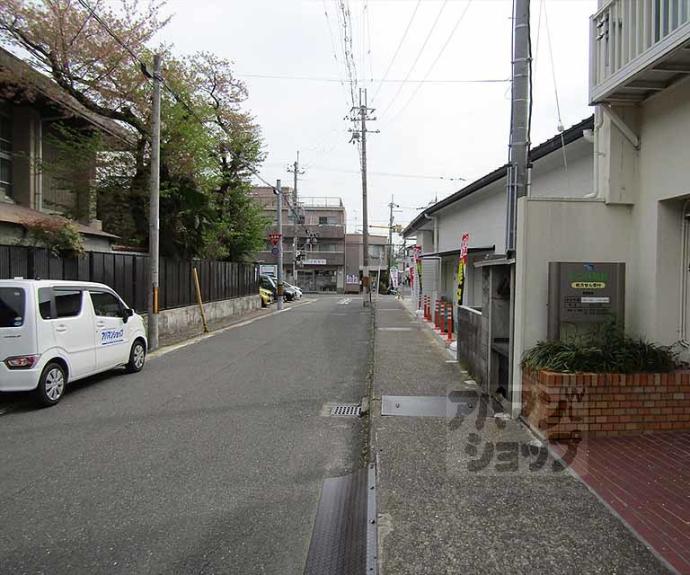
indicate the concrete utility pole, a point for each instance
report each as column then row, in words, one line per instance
column 361, row 114
column 295, row 172
column 390, row 235
column 154, row 204
column 520, row 117
column 279, row 193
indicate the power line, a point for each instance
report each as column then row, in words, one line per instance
column 419, row 55
column 397, row 50
column 371, row 63
column 142, row 65
column 383, row 80
column 392, row 174
column 438, row 57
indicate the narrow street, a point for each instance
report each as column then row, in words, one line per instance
column 211, row 460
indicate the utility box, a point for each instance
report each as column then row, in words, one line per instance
column 583, row 294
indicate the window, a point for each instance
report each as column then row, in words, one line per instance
column 5, row 155
column 67, row 303
column 12, row 306
column 45, row 303
column 106, row 304
column 327, row 220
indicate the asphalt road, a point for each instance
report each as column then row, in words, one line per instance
column 209, row 461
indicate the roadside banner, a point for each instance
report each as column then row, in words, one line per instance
column 394, row 278
column 462, row 261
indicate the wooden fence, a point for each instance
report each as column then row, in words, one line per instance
column 128, row 275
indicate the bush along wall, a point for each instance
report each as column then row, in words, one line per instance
column 603, row 384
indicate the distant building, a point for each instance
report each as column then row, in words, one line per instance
column 354, row 253
column 31, row 106
column 313, row 240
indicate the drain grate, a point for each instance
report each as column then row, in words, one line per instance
column 347, row 410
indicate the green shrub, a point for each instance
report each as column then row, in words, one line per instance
column 607, row 350
column 62, row 238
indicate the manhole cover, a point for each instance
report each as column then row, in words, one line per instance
column 346, row 410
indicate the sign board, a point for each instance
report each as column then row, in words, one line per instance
column 268, row 270
column 584, row 294
column 275, row 251
column 315, row 262
column 274, row 237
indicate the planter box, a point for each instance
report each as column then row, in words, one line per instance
column 563, row 407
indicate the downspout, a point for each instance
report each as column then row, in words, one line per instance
column 685, row 269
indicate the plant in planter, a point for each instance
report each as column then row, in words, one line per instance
column 61, row 238
column 603, row 383
column 607, row 350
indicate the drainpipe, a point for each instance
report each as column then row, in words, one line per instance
column 685, row 269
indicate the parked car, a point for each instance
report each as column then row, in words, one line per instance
column 290, row 292
column 55, row 332
column 297, row 292
column 266, row 297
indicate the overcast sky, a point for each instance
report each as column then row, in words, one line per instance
column 441, row 128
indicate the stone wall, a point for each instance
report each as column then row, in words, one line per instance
column 179, row 320
column 567, row 406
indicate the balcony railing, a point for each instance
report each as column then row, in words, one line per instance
column 637, row 48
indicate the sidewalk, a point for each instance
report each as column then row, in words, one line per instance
column 471, row 493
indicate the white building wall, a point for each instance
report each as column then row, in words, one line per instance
column 664, row 167
column 561, row 230
column 569, row 175
column 481, row 214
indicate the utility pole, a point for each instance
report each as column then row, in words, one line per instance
column 361, row 114
column 295, row 172
column 520, row 117
column 279, row 193
column 154, row 204
column 390, row 234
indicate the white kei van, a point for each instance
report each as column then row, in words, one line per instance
column 53, row 332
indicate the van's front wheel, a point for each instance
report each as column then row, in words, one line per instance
column 137, row 357
column 51, row 385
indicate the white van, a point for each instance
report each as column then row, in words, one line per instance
column 52, row 332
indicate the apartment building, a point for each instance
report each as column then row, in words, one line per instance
column 354, row 257
column 313, row 239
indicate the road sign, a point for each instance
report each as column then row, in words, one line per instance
column 274, row 251
column 274, row 237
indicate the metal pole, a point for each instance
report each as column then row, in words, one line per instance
column 390, row 239
column 294, row 232
column 365, row 219
column 152, row 303
column 279, row 192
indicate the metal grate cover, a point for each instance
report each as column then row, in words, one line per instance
column 346, row 410
column 339, row 537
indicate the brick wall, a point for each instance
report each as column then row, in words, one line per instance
column 564, row 406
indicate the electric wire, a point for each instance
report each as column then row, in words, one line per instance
column 555, row 90
column 188, row 107
column 397, row 50
column 385, row 80
column 433, row 64
column 419, row 55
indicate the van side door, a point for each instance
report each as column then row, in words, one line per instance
column 73, row 330
column 112, row 336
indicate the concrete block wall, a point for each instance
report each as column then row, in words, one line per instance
column 568, row 406
column 188, row 319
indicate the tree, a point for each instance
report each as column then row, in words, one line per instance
column 209, row 145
